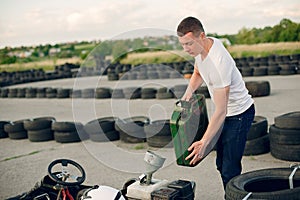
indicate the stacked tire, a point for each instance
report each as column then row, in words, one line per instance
column 148, row 93
column 102, row 130
column 258, row 88
column 39, row 129
column 102, row 93
column 164, row 93
column 257, row 138
column 158, row 134
column 66, row 132
column 285, row 137
column 132, row 129
column 270, row 184
column 16, row 129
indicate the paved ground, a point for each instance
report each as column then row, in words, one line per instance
column 22, row 163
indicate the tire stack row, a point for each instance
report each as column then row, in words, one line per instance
column 271, row 65
column 39, row 129
column 43, row 129
column 66, row 132
column 249, row 66
column 137, row 129
column 149, row 71
column 257, row 138
column 256, row 89
column 61, row 71
column 285, row 137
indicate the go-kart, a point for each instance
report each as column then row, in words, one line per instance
column 66, row 184
column 65, row 178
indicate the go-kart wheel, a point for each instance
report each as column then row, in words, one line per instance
column 61, row 177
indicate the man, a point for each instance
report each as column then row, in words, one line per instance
column 234, row 108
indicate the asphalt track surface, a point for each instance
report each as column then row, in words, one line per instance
column 23, row 163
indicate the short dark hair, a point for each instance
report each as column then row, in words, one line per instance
column 190, row 24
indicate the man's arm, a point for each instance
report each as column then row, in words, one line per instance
column 201, row 148
column 195, row 82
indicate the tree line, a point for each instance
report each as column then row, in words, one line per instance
column 285, row 31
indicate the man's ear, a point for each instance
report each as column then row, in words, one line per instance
column 202, row 35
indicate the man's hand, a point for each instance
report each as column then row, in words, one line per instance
column 197, row 150
column 187, row 95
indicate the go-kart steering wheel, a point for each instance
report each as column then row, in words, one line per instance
column 61, row 177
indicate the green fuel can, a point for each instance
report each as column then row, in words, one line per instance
column 188, row 124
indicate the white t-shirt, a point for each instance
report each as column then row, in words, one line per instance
column 219, row 70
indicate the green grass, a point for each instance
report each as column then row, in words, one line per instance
column 139, row 147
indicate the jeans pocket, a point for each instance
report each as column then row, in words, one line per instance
column 232, row 128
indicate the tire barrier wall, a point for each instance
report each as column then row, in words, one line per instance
column 248, row 66
column 137, row 129
column 282, row 140
column 66, row 70
column 255, row 88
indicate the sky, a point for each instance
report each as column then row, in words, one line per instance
column 35, row 22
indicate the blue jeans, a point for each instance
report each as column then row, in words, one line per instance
column 231, row 144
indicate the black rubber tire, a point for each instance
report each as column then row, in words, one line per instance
column 66, row 126
column 2, row 123
column 158, row 128
column 3, row 134
column 285, row 152
column 17, row 135
column 66, row 137
column 168, row 95
column 257, row 146
column 101, row 125
column 132, row 92
column 148, row 96
column 37, row 124
column 264, row 184
column 132, row 124
column 289, row 120
column 105, row 137
column 287, row 72
column 40, row 135
column 15, row 126
column 284, row 136
column 258, row 88
column 102, row 93
column 258, row 128
column 63, row 93
column 247, row 71
column 158, row 134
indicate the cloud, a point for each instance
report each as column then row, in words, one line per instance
column 61, row 20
